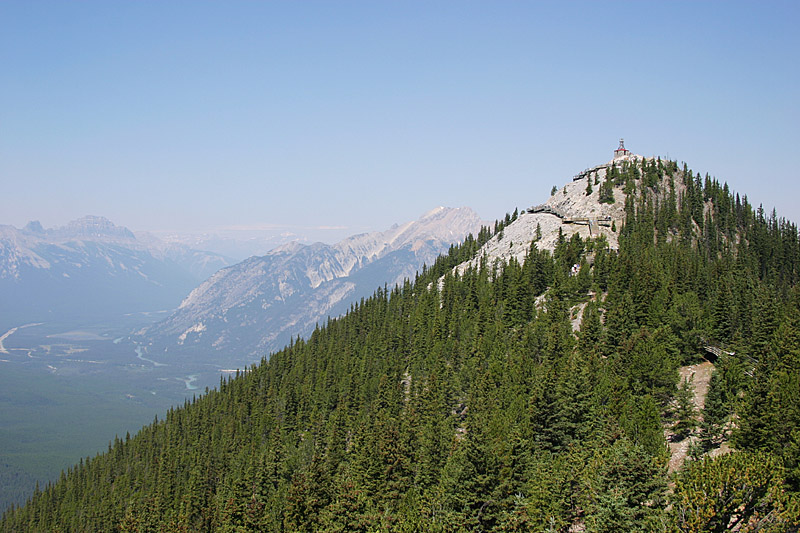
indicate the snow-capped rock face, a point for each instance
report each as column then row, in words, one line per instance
column 91, row 267
column 258, row 305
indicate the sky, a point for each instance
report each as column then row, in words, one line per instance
column 191, row 116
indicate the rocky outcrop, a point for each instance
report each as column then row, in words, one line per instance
column 570, row 210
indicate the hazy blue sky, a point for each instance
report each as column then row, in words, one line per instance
column 195, row 115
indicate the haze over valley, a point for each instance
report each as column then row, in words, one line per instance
column 89, row 346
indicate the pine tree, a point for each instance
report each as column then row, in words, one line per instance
column 627, row 485
column 684, row 410
column 732, row 491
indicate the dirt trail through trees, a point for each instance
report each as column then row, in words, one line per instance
column 700, row 376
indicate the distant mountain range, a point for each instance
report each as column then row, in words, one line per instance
column 241, row 242
column 91, row 268
column 258, row 305
column 236, row 244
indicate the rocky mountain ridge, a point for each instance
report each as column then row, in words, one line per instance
column 259, row 304
column 93, row 267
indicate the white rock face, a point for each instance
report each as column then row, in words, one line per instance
column 254, row 307
column 571, row 200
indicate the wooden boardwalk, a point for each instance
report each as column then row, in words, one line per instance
column 593, row 223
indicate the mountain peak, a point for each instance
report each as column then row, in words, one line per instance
column 588, row 205
column 442, row 224
column 34, row 226
column 287, row 248
column 95, row 226
column 433, row 212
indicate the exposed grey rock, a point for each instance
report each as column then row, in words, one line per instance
column 257, row 306
column 568, row 204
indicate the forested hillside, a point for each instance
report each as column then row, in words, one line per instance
column 469, row 402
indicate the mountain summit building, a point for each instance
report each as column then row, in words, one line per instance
column 621, row 155
column 621, row 151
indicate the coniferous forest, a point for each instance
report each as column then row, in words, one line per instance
column 512, row 397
